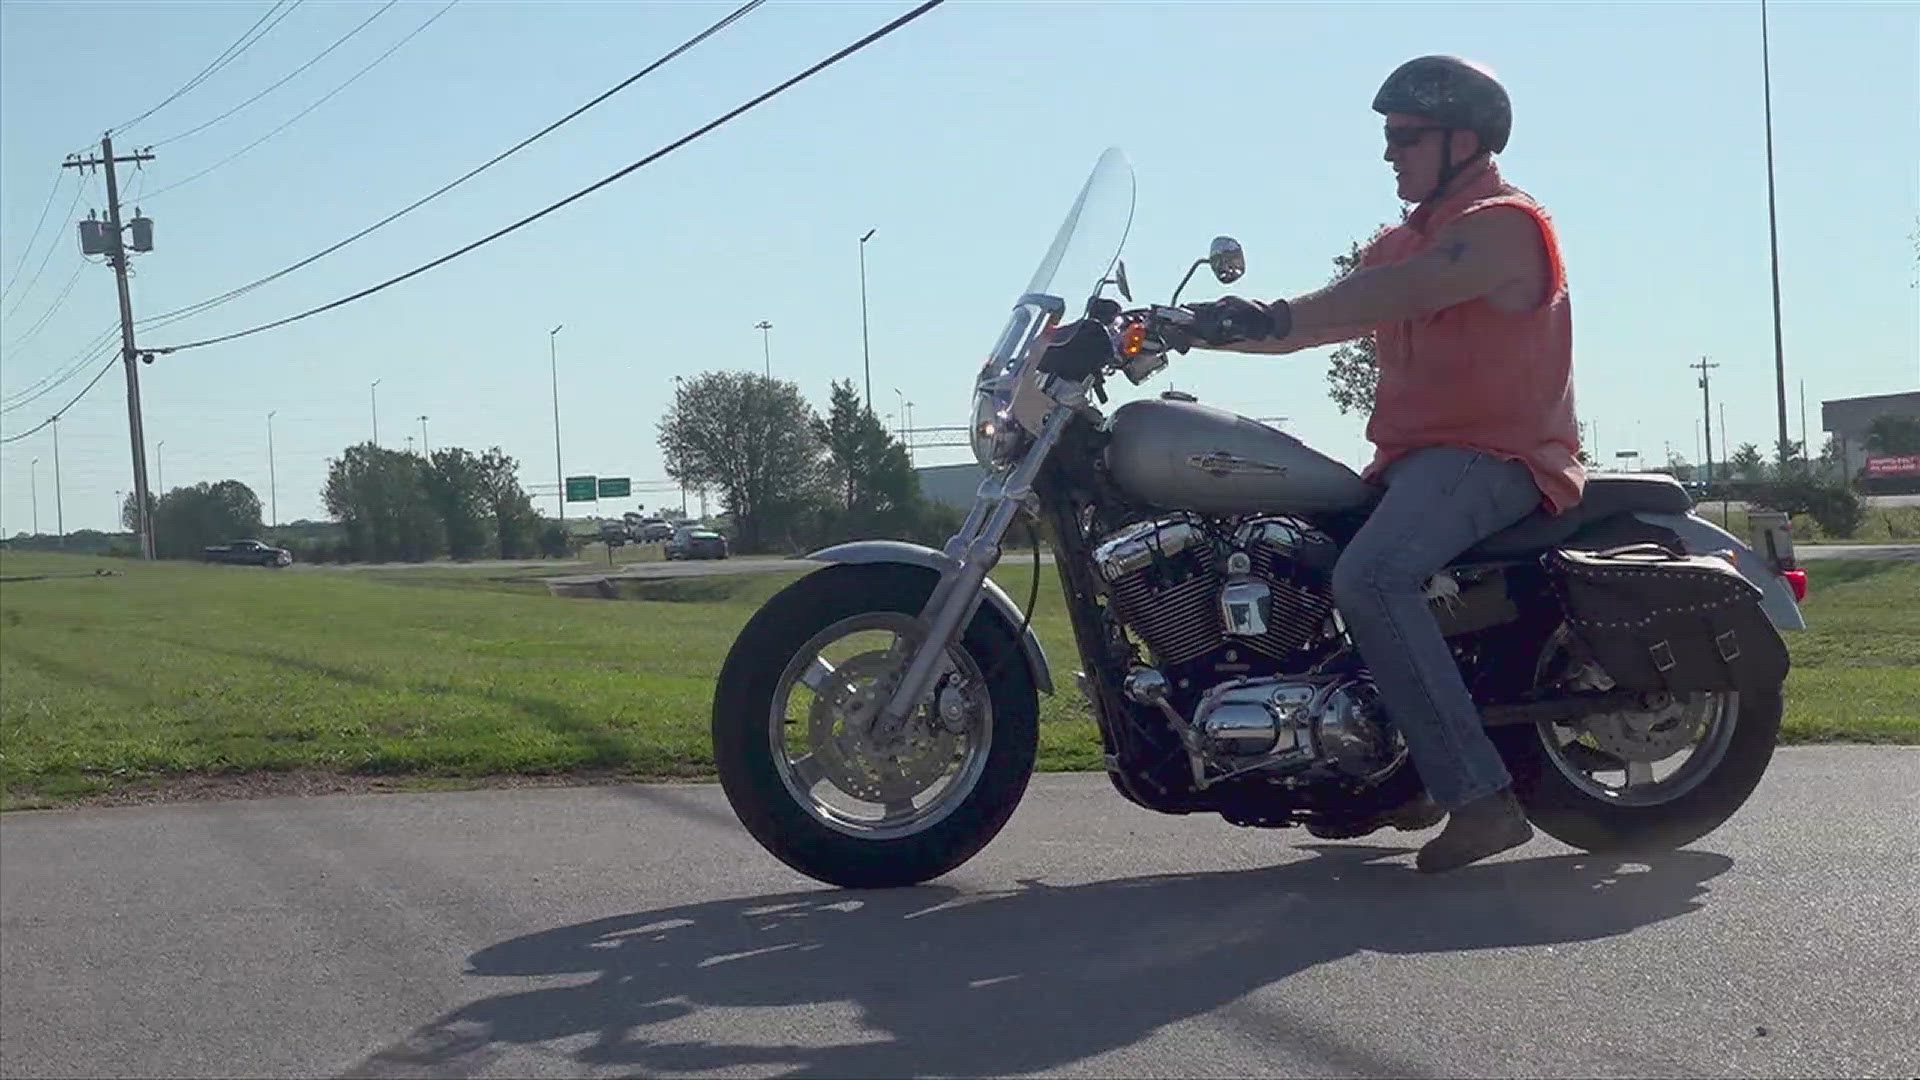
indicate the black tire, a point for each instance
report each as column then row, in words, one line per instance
column 744, row 753
column 1581, row 820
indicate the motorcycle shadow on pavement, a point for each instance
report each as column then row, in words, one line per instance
column 939, row 978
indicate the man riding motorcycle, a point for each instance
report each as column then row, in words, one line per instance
column 1473, row 419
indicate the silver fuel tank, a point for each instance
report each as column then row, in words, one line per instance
column 1175, row 454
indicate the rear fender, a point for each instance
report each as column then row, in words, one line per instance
column 1703, row 537
column 898, row 551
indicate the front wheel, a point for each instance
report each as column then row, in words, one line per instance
column 1651, row 779
column 814, row 789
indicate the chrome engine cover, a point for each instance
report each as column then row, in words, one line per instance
column 1294, row 723
column 1186, row 591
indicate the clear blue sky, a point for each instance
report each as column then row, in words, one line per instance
column 961, row 139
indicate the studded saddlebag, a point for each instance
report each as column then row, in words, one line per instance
column 1658, row 621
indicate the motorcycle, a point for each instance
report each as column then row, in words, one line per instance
column 876, row 722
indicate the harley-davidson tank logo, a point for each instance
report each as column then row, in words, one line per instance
column 1221, row 463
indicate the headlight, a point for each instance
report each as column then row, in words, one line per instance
column 995, row 436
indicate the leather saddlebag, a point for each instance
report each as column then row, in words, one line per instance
column 1657, row 621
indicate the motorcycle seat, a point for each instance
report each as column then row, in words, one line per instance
column 1605, row 497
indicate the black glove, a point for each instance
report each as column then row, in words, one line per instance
column 1230, row 320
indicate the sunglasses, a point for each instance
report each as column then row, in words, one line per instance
column 1408, row 135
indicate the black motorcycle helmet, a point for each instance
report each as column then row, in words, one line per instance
column 1457, row 94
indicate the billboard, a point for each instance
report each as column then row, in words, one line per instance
column 1893, row 465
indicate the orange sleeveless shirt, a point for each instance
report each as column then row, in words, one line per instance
column 1473, row 376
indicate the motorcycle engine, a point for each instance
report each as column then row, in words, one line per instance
column 1288, row 724
column 1186, row 590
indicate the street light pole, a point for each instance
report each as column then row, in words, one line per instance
column 59, row 515
column 273, row 483
column 679, row 386
column 160, row 465
column 559, row 477
column 866, row 355
column 33, row 490
column 766, row 348
column 374, row 397
column 1773, row 238
column 901, row 431
column 424, row 444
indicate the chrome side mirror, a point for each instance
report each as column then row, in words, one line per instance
column 1227, row 259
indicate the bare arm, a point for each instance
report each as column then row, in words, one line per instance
column 1474, row 256
column 1296, row 341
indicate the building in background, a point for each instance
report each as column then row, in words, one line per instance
column 952, row 485
column 1847, row 420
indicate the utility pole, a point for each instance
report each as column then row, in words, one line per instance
column 1805, row 446
column 424, row 444
column 60, row 517
column 559, row 476
column 33, row 490
column 273, row 484
column 1706, row 408
column 373, row 397
column 1773, row 237
column 116, row 253
column 866, row 355
column 160, row 465
column 766, row 348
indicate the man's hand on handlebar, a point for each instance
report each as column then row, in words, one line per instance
column 1231, row 320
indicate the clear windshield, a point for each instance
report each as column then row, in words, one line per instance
column 1089, row 241
column 1083, row 254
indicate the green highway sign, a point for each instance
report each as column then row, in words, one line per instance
column 581, row 489
column 615, row 487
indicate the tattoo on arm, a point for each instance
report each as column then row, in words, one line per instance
column 1455, row 250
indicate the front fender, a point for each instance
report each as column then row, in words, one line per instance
column 1703, row 537
column 899, row 551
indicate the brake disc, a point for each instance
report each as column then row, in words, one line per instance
column 1667, row 727
column 911, row 763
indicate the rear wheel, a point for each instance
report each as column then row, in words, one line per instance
column 1651, row 778
column 803, row 774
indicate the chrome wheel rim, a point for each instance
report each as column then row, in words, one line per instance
column 1646, row 756
column 839, row 775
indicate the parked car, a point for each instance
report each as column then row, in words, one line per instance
column 696, row 543
column 614, row 533
column 247, row 553
column 654, row 531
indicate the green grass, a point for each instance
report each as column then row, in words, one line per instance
column 176, row 670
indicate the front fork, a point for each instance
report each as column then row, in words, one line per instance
column 971, row 554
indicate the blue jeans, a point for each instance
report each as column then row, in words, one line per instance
column 1439, row 502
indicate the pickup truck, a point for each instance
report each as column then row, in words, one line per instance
column 247, row 553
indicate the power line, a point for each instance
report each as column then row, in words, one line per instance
column 34, row 330
column 232, row 52
column 20, row 297
column 35, row 429
column 875, row 36
column 47, row 384
column 35, row 238
column 341, row 40
column 323, row 100
column 177, row 314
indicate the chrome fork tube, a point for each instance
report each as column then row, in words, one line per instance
column 975, row 549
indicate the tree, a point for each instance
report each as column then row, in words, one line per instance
column 753, row 440
column 871, row 470
column 1746, row 462
column 455, row 482
column 516, row 525
column 129, row 517
column 187, row 519
column 1789, row 458
column 1353, row 373
column 1894, row 434
column 380, row 496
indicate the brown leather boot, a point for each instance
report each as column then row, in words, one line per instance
column 1486, row 826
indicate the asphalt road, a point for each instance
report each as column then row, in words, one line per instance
column 637, row 930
